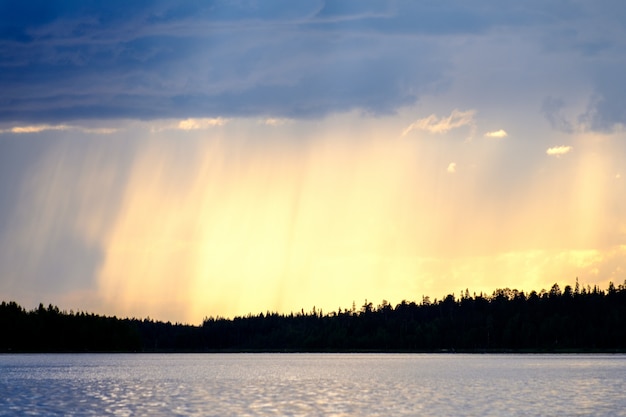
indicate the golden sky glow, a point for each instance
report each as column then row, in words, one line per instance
column 179, row 162
column 227, row 225
column 246, row 216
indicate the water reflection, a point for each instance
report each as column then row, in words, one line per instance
column 312, row 385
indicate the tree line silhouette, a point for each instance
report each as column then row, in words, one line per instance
column 573, row 319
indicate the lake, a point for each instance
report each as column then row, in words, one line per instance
column 312, row 385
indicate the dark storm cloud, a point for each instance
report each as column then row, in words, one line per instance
column 552, row 110
column 595, row 37
column 144, row 60
column 609, row 108
column 182, row 61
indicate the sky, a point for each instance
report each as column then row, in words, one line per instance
column 185, row 159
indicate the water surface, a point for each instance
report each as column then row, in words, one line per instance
column 312, row 385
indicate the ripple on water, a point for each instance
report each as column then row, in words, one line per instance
column 312, row 385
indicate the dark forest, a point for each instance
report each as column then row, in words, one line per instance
column 579, row 319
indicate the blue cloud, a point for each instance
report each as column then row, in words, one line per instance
column 609, row 109
column 143, row 60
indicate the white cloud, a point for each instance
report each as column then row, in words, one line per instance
column 558, row 150
column 35, row 128
column 452, row 167
column 204, row 123
column 274, row 122
column 99, row 130
column 44, row 127
column 434, row 124
column 498, row 134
